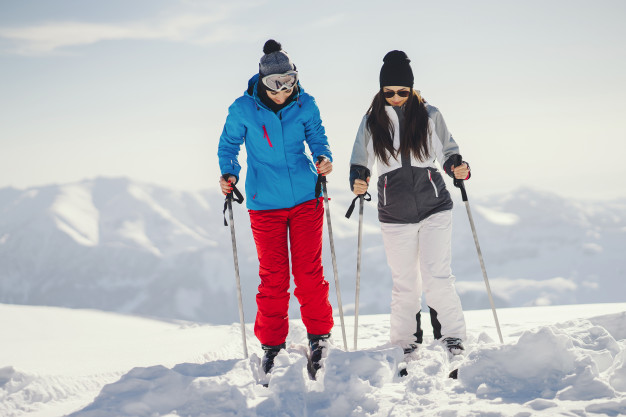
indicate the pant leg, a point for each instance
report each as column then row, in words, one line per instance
column 401, row 247
column 306, row 225
column 269, row 228
column 435, row 256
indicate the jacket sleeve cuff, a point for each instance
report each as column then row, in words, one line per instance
column 358, row 172
column 228, row 174
column 447, row 168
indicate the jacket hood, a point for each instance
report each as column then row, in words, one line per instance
column 251, row 84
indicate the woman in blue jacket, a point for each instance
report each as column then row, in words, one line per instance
column 274, row 119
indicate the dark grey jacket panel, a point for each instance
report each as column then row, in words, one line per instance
column 410, row 194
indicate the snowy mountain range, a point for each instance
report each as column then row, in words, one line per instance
column 125, row 246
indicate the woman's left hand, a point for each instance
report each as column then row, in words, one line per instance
column 324, row 167
column 461, row 172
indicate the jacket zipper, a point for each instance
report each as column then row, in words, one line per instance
column 430, row 177
column 385, row 192
column 266, row 136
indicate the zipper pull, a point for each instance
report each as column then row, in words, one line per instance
column 266, row 136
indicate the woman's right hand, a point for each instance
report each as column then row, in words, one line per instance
column 360, row 186
column 227, row 186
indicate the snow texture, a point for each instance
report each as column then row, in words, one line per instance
column 559, row 360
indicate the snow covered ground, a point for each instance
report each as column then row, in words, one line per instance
column 557, row 360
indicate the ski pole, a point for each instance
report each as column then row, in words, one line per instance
column 362, row 198
column 321, row 179
column 358, row 273
column 228, row 204
column 458, row 160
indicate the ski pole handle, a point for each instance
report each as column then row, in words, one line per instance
column 228, row 201
column 238, row 197
column 457, row 161
column 229, row 196
column 320, row 177
column 363, row 174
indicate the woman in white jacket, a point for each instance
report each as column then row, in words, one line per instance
column 406, row 136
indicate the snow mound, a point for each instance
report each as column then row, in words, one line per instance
column 234, row 387
column 22, row 392
column 576, row 360
column 187, row 389
column 613, row 323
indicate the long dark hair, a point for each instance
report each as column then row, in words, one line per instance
column 415, row 131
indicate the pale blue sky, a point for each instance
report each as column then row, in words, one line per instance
column 532, row 91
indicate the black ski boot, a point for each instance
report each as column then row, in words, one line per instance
column 410, row 353
column 317, row 344
column 268, row 357
column 454, row 345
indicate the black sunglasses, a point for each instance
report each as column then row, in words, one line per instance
column 401, row 93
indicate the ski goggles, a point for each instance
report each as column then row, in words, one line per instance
column 278, row 82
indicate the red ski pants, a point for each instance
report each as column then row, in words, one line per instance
column 303, row 224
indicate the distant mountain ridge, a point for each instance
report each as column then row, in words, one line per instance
column 120, row 245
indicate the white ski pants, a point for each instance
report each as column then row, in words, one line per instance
column 419, row 256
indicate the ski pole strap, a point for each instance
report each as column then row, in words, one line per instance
column 318, row 186
column 457, row 161
column 367, row 197
column 237, row 199
column 362, row 173
column 318, row 190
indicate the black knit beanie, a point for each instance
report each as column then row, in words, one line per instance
column 396, row 70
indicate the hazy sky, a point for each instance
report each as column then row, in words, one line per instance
column 533, row 91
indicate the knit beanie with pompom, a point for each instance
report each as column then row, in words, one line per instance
column 275, row 60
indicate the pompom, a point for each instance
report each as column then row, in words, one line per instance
column 271, row 46
column 396, row 57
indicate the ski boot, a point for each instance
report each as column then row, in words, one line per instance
column 268, row 357
column 454, row 345
column 317, row 344
column 410, row 353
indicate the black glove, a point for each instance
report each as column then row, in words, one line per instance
column 447, row 166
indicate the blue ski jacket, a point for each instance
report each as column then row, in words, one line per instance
column 280, row 173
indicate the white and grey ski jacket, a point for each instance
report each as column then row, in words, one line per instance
column 408, row 190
